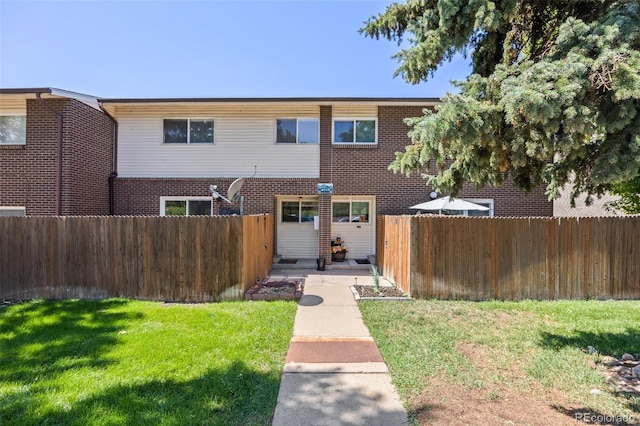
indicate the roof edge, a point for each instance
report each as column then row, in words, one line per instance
column 90, row 100
column 24, row 91
column 319, row 100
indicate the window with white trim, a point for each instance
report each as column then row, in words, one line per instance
column 298, row 130
column 486, row 202
column 13, row 129
column 356, row 131
column 298, row 211
column 350, row 211
column 13, row 211
column 186, row 206
column 187, row 130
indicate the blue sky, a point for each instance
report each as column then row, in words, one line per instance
column 201, row 48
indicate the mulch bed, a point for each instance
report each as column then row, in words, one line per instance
column 369, row 291
column 275, row 290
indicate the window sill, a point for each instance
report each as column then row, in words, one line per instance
column 355, row 145
column 13, row 146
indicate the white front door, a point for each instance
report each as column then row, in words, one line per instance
column 353, row 221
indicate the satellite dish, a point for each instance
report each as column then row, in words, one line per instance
column 234, row 189
column 233, row 193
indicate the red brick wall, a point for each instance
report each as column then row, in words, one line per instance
column 28, row 173
column 324, row 202
column 87, row 160
column 136, row 196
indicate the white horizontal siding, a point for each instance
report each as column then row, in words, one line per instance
column 216, row 110
column 297, row 240
column 354, row 111
column 12, row 106
column 244, row 138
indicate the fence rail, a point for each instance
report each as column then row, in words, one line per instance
column 197, row 259
column 511, row 258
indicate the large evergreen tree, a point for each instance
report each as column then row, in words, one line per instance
column 554, row 94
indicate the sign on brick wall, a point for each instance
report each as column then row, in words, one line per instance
column 325, row 188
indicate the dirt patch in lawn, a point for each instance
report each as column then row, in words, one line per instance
column 450, row 404
column 512, row 400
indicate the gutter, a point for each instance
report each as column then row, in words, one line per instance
column 59, row 153
column 114, row 160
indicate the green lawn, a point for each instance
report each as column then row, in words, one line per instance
column 517, row 346
column 129, row 362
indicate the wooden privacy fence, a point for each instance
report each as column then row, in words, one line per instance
column 191, row 259
column 511, row 258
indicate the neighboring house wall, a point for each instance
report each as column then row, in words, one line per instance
column 87, row 160
column 28, row 176
column 244, row 142
column 28, row 172
column 562, row 205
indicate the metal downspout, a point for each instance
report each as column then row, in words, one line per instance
column 114, row 159
column 59, row 154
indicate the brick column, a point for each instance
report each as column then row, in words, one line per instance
column 324, row 202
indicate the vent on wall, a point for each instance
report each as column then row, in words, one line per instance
column 13, row 211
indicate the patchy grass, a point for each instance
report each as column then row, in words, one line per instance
column 522, row 353
column 130, row 362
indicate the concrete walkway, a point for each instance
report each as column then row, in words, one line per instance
column 334, row 373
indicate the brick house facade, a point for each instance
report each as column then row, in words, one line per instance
column 354, row 170
column 99, row 136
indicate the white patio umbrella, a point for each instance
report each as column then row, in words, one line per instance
column 448, row 203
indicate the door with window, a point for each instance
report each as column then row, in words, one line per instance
column 353, row 221
column 297, row 236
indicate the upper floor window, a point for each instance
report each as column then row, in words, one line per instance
column 177, row 206
column 188, row 130
column 13, row 129
column 297, row 130
column 362, row 130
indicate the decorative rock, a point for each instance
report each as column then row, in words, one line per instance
column 636, row 371
column 628, row 357
column 595, row 392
